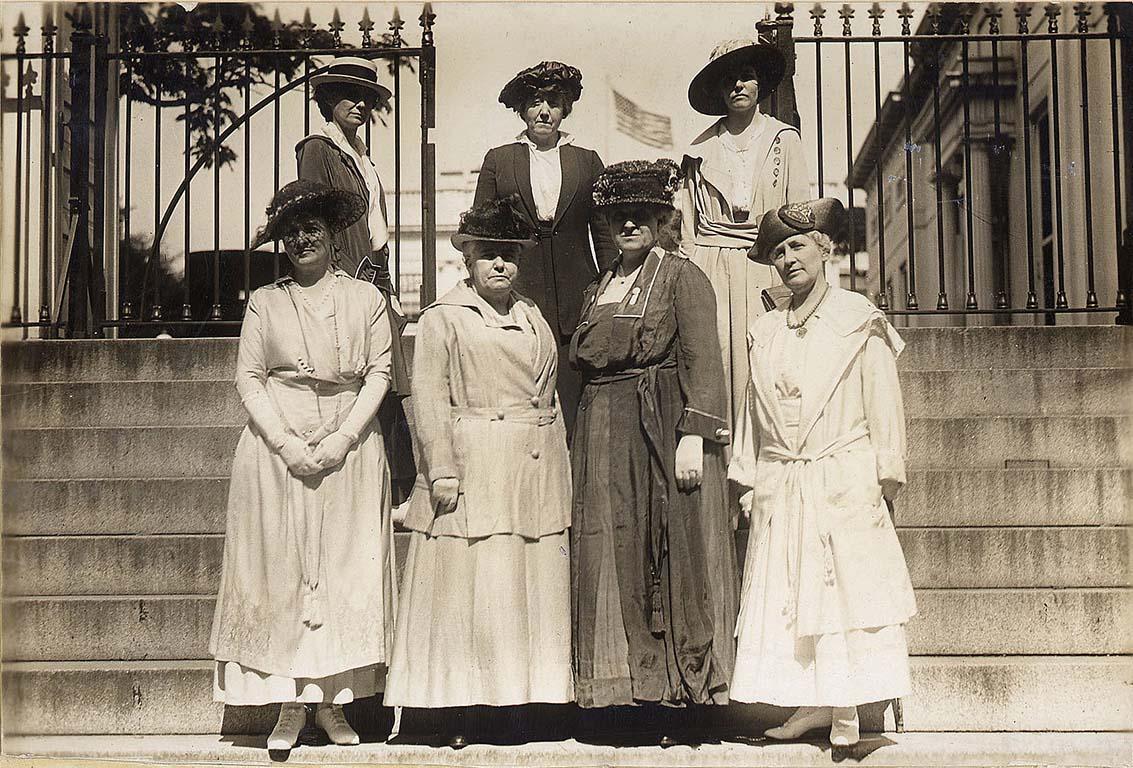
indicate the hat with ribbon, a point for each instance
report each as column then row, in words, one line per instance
column 352, row 70
column 546, row 75
column 337, row 207
column 704, row 93
column 826, row 215
column 637, row 181
column 494, row 221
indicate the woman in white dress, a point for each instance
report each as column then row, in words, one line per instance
column 307, row 591
column 821, row 445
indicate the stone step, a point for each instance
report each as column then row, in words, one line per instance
column 971, row 392
column 949, row 622
column 736, row 750
column 941, row 558
column 988, row 442
column 1100, row 346
column 983, row 693
column 933, row 498
column 1018, row 392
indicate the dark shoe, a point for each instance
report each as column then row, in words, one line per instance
column 667, row 741
column 458, row 742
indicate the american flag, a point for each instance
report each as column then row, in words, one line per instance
column 647, row 127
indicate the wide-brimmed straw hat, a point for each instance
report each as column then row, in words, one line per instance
column 337, row 207
column 494, row 221
column 352, row 70
column 704, row 91
column 826, row 215
column 637, row 181
column 546, row 75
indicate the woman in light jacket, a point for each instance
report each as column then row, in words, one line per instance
column 826, row 592
column 485, row 611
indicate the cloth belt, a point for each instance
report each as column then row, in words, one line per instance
column 540, row 417
column 795, row 493
column 657, row 523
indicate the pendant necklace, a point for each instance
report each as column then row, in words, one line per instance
column 800, row 326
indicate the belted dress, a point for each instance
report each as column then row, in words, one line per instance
column 826, row 592
column 320, row 543
column 726, row 187
column 485, row 602
column 643, row 601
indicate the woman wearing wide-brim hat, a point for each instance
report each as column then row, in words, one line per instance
column 552, row 176
column 745, row 163
column 346, row 92
column 648, row 463
column 826, row 591
column 484, row 618
column 305, row 610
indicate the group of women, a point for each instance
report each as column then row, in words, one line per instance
column 594, row 408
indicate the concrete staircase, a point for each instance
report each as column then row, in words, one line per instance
column 1015, row 525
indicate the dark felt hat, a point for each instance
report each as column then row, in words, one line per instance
column 704, row 91
column 637, row 181
column 494, row 221
column 826, row 215
column 337, row 207
column 352, row 70
column 546, row 75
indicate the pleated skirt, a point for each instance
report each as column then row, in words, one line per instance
column 483, row 622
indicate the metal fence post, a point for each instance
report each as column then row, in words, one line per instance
column 428, row 64
column 77, row 267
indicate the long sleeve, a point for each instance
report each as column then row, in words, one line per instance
column 745, row 443
column 798, row 177
column 686, row 205
column 251, row 376
column 605, row 252
column 313, row 162
column 699, row 364
column 486, row 182
column 884, row 410
column 376, row 375
column 432, row 401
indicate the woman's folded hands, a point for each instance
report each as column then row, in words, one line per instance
column 332, row 449
column 298, row 457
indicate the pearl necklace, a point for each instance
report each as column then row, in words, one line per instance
column 800, row 325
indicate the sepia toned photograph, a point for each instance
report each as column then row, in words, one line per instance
column 566, row 384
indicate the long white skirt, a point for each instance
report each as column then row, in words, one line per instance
column 483, row 621
column 238, row 685
column 774, row 666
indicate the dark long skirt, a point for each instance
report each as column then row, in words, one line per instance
column 619, row 658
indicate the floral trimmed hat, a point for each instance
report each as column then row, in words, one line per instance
column 704, row 91
column 337, row 207
column 494, row 221
column 637, row 181
column 826, row 215
column 546, row 75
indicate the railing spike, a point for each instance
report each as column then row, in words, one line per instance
column 818, row 13
column 426, row 19
column 395, row 27
column 1083, row 11
column 21, row 32
column 905, row 13
column 876, row 13
column 1052, row 11
column 847, row 13
column 336, row 27
column 366, row 26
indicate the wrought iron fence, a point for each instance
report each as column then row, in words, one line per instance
column 1067, row 257
column 99, row 266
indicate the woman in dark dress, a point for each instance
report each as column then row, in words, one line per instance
column 346, row 95
column 648, row 463
column 552, row 177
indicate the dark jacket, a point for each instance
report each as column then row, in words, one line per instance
column 555, row 272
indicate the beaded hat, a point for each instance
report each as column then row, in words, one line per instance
column 637, row 181
column 494, row 221
column 546, row 75
column 704, row 91
column 826, row 215
column 337, row 207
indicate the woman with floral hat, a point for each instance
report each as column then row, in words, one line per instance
column 648, row 462
column 552, row 177
column 307, row 589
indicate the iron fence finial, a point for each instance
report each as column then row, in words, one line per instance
column 21, row 32
column 426, row 19
column 308, row 28
column 366, row 27
column 818, row 13
column 276, row 30
column 1083, row 11
column 934, row 13
column 876, row 12
column 847, row 13
column 395, row 27
column 784, row 12
column 1052, row 11
column 247, row 30
column 1023, row 16
column 336, row 26
column 905, row 13
column 993, row 12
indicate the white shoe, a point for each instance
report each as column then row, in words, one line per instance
column 332, row 719
column 292, row 718
column 805, row 719
column 844, row 731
